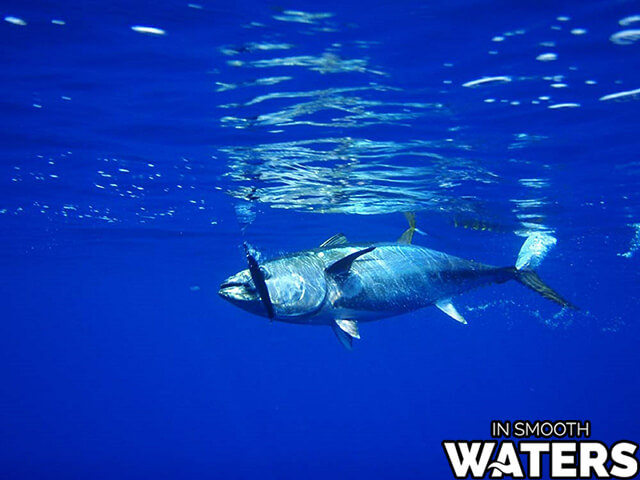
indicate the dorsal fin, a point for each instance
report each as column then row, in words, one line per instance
column 407, row 236
column 341, row 268
column 335, row 241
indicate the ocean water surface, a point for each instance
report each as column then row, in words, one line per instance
column 144, row 142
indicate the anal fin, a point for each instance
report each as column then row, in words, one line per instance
column 447, row 307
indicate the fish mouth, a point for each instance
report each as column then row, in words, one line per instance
column 231, row 291
column 235, row 291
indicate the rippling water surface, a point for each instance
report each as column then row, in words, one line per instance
column 143, row 143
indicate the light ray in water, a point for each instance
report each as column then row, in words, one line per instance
column 325, row 63
column 346, row 109
column 625, row 37
column 353, row 176
column 626, row 95
column 487, row 80
column 298, row 16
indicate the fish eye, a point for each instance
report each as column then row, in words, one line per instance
column 266, row 274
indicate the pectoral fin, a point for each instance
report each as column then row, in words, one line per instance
column 343, row 337
column 447, row 307
column 350, row 327
column 340, row 269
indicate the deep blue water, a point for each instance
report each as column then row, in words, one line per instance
column 134, row 165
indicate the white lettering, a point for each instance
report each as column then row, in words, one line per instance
column 535, row 451
column 507, row 462
column 563, row 455
column 467, row 457
column 593, row 456
column 625, row 465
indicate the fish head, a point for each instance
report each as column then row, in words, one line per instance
column 240, row 291
column 296, row 288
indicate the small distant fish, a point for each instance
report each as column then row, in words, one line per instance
column 471, row 223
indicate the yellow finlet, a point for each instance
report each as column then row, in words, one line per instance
column 407, row 236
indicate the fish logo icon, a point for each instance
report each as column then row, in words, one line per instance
column 500, row 467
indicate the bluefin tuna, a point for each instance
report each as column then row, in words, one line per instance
column 341, row 284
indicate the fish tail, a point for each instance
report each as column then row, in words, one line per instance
column 530, row 279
